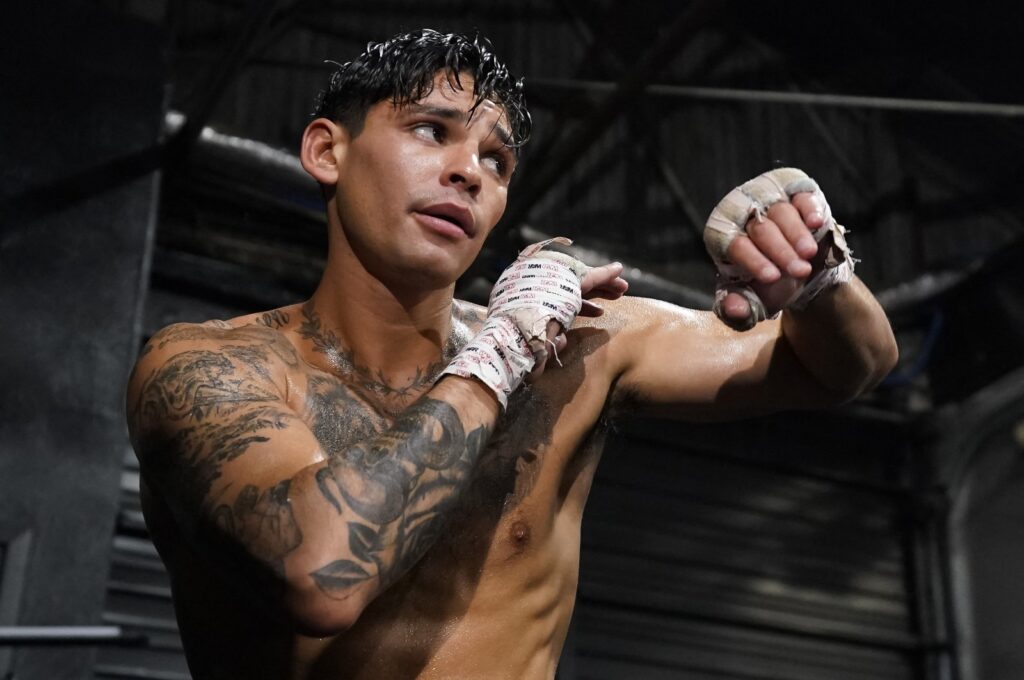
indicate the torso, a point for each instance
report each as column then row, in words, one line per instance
column 493, row 598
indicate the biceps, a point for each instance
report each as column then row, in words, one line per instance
column 707, row 371
column 196, row 458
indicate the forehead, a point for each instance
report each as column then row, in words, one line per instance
column 454, row 95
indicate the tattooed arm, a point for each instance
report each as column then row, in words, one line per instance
column 250, row 485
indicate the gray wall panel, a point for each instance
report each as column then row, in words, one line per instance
column 75, row 230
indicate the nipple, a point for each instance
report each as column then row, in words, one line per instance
column 520, row 535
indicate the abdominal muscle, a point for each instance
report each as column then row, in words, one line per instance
column 441, row 622
column 450, row 617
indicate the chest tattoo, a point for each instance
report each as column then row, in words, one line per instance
column 342, row 361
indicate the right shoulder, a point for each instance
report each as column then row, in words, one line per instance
column 186, row 368
column 235, row 338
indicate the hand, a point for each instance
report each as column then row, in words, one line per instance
column 602, row 282
column 533, row 300
column 599, row 282
column 777, row 253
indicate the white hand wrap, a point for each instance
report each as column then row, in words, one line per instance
column 536, row 288
column 751, row 201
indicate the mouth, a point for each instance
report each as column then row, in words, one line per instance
column 451, row 213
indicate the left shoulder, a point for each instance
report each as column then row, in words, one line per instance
column 630, row 319
column 683, row 362
column 467, row 319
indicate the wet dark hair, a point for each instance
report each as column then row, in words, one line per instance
column 403, row 69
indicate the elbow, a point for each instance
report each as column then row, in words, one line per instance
column 859, row 372
column 315, row 614
column 878, row 359
column 889, row 357
column 884, row 354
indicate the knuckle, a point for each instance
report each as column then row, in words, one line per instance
column 756, row 228
column 734, row 247
column 767, row 234
column 738, row 248
column 782, row 211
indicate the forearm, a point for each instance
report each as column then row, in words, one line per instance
column 359, row 520
column 843, row 339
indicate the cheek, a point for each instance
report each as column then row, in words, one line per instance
column 420, row 169
column 500, row 200
column 378, row 190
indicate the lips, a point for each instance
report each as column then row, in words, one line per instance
column 456, row 214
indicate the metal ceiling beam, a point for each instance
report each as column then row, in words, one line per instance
column 210, row 90
column 571, row 148
column 641, row 282
column 614, row 65
column 936, row 106
column 542, row 145
column 853, row 173
column 409, row 9
column 677, row 189
column 599, row 39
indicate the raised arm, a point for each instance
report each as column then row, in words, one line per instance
column 253, row 490
column 777, row 250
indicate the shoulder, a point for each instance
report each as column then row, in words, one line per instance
column 651, row 341
column 632, row 320
column 241, row 337
column 261, row 329
column 467, row 319
column 187, row 368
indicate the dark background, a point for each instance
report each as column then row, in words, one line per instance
column 147, row 175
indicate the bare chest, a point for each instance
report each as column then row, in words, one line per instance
column 528, row 451
column 543, row 451
column 504, row 561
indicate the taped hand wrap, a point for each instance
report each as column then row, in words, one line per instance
column 537, row 288
column 751, row 201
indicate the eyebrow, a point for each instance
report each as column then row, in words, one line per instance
column 458, row 115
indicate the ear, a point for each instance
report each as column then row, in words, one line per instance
column 323, row 147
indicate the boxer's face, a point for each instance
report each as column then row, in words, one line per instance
column 421, row 186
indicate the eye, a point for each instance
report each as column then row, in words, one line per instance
column 433, row 132
column 495, row 163
column 498, row 162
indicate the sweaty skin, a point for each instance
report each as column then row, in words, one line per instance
column 326, row 511
column 493, row 596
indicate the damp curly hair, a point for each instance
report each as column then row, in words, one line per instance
column 402, row 69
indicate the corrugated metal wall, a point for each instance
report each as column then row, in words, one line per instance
column 759, row 550
column 139, row 597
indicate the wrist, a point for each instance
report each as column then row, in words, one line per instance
column 476, row 397
column 538, row 288
column 832, row 266
column 498, row 358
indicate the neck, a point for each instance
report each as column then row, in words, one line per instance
column 368, row 325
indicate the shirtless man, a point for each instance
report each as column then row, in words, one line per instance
column 338, row 488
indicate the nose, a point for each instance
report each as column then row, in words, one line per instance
column 462, row 170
